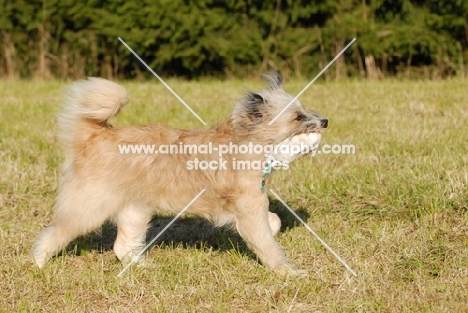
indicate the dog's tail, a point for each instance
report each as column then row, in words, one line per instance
column 88, row 105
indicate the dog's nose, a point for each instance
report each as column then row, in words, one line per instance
column 324, row 123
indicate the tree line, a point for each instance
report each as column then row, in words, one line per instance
column 233, row 38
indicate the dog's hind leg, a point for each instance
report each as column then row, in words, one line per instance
column 132, row 224
column 76, row 214
column 253, row 224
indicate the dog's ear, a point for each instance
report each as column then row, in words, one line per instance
column 254, row 104
column 274, row 80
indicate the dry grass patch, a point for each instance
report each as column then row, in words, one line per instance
column 396, row 210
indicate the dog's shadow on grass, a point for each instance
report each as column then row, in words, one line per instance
column 187, row 232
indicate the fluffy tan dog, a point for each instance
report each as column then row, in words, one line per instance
column 101, row 183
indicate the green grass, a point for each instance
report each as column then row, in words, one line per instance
column 396, row 210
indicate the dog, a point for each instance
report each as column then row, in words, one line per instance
column 101, row 183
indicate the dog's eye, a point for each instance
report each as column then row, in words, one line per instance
column 301, row 117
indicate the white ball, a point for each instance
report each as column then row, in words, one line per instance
column 299, row 145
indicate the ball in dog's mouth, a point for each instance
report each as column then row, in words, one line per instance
column 308, row 142
column 299, row 145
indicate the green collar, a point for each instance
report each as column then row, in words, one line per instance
column 267, row 171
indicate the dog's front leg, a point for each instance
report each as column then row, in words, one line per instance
column 254, row 227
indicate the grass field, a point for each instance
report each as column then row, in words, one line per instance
column 396, row 210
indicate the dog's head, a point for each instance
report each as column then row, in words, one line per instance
column 256, row 110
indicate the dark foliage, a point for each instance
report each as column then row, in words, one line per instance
column 70, row 39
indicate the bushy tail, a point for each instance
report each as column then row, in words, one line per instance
column 87, row 106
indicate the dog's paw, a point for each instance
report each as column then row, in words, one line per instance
column 299, row 273
column 289, row 270
column 141, row 262
column 146, row 263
